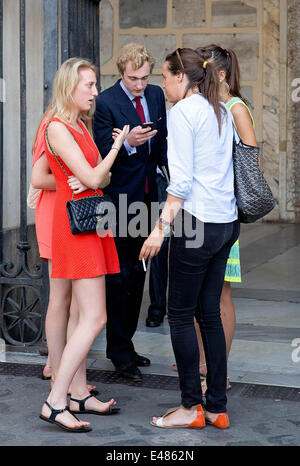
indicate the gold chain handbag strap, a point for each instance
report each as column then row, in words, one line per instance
column 57, row 159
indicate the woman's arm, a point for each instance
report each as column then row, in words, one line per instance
column 63, row 144
column 41, row 176
column 244, row 125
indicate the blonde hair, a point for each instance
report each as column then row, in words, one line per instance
column 137, row 55
column 65, row 82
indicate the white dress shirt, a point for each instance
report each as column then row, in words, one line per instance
column 200, row 160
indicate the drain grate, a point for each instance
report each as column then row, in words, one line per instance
column 162, row 382
column 108, row 377
column 246, row 390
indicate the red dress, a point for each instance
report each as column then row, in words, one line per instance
column 85, row 255
column 45, row 203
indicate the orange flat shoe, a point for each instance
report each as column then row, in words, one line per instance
column 198, row 423
column 222, row 421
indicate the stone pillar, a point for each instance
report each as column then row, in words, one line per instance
column 270, row 108
column 293, row 110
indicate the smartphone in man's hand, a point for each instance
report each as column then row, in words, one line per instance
column 149, row 125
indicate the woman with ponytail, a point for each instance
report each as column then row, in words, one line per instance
column 202, row 202
column 225, row 63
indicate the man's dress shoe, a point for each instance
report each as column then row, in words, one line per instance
column 154, row 321
column 129, row 370
column 141, row 361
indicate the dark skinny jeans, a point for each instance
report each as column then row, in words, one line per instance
column 196, row 279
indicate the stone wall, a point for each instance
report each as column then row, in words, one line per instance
column 264, row 33
column 257, row 30
column 164, row 25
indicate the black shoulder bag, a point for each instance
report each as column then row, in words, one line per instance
column 254, row 197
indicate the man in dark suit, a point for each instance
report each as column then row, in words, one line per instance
column 130, row 101
column 158, row 278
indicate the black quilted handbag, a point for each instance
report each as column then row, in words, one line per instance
column 85, row 213
column 254, row 197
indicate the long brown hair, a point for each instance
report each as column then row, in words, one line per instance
column 224, row 60
column 199, row 75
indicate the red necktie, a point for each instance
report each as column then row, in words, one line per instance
column 139, row 109
column 141, row 114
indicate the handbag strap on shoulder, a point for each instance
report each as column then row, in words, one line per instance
column 53, row 152
column 56, row 156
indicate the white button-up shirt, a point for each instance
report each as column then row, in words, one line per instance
column 200, row 160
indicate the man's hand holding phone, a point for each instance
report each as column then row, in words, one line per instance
column 149, row 125
column 138, row 135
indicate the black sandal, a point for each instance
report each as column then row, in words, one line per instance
column 45, row 377
column 111, row 409
column 92, row 392
column 55, row 412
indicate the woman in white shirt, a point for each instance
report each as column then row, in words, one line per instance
column 226, row 63
column 201, row 197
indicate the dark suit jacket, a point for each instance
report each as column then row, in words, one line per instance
column 114, row 110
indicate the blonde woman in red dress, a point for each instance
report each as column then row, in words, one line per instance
column 43, row 179
column 79, row 262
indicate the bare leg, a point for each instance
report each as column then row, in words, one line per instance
column 57, row 319
column 47, row 367
column 79, row 388
column 73, row 322
column 56, row 331
column 202, row 367
column 90, row 297
column 227, row 315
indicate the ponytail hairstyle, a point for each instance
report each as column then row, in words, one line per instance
column 199, row 74
column 224, row 60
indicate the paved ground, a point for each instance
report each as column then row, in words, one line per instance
column 264, row 404
column 263, row 419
